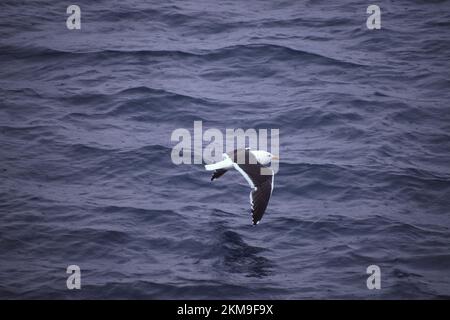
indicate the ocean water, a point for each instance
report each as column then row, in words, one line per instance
column 86, row 176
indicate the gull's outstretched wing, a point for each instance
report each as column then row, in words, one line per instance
column 261, row 184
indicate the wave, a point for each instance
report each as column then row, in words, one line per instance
column 240, row 51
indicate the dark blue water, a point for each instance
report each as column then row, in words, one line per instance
column 86, row 176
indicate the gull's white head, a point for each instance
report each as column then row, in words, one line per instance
column 264, row 157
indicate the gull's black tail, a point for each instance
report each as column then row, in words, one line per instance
column 218, row 173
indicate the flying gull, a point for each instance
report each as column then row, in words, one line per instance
column 252, row 164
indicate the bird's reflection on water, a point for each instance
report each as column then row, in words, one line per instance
column 239, row 257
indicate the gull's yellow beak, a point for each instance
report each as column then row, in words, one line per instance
column 275, row 158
